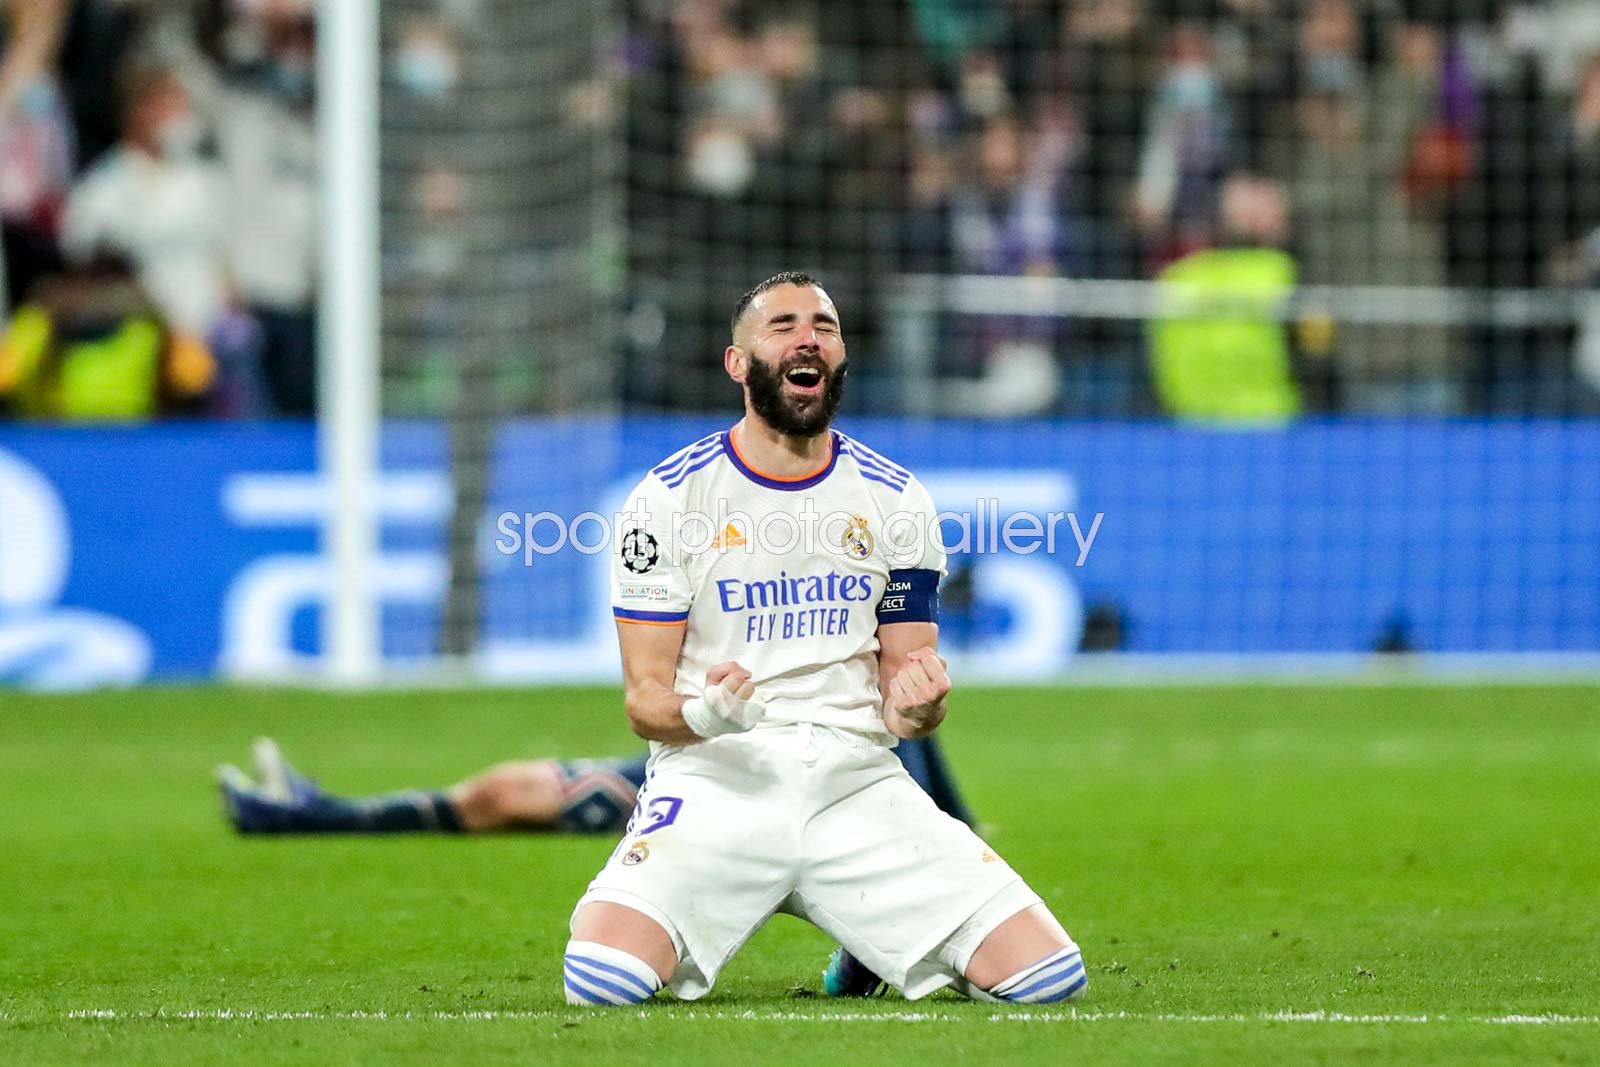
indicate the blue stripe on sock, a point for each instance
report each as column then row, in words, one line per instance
column 582, row 985
column 1058, row 986
column 1052, row 989
column 1065, row 993
column 628, row 995
column 621, row 993
column 578, row 981
column 1083, row 980
column 1056, row 972
column 610, row 968
column 1038, row 965
column 585, row 995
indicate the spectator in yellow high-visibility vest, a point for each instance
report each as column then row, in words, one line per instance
column 88, row 345
column 1219, row 348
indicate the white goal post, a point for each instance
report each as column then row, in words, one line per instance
column 348, row 66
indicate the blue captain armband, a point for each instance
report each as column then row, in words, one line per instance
column 912, row 596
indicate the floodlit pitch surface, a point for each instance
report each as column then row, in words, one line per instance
column 1406, row 874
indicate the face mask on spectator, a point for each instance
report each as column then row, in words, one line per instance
column 1331, row 74
column 180, row 137
column 426, row 70
column 293, row 80
column 1191, row 87
column 983, row 90
column 39, row 100
column 721, row 163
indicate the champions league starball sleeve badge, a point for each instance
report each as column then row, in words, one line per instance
column 640, row 551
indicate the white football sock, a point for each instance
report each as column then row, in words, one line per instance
column 596, row 974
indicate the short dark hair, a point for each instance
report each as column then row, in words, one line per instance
column 788, row 277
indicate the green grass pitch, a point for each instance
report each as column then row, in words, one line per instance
column 1420, row 865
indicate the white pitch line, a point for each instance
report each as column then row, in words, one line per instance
column 776, row 1015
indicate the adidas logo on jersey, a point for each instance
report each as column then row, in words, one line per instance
column 730, row 537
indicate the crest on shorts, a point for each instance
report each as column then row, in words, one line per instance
column 857, row 539
column 637, row 853
column 640, row 551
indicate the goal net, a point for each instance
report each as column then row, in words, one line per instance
column 1299, row 296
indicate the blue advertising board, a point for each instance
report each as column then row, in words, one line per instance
column 191, row 550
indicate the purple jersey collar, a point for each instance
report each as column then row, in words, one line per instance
column 785, row 484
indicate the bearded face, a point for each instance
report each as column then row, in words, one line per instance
column 789, row 355
column 798, row 396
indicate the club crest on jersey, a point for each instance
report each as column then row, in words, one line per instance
column 637, row 853
column 640, row 551
column 857, row 539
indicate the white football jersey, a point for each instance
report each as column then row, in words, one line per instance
column 788, row 577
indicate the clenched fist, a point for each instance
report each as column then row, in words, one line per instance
column 727, row 705
column 916, row 694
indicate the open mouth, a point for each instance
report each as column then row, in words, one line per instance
column 805, row 379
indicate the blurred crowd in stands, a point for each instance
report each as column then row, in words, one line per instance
column 158, row 194
column 1351, row 142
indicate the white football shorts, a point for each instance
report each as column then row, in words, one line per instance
column 811, row 821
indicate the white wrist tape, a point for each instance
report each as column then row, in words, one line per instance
column 718, row 712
